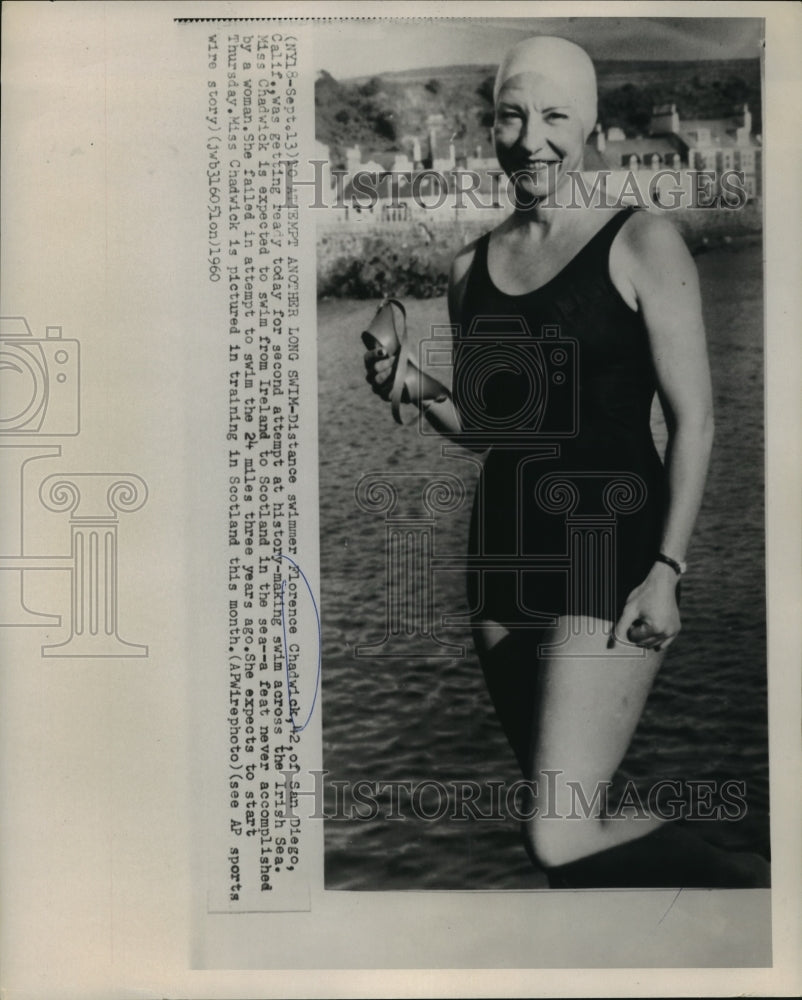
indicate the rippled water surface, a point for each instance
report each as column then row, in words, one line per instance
column 417, row 718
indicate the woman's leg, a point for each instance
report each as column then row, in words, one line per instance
column 590, row 696
column 569, row 712
column 510, row 667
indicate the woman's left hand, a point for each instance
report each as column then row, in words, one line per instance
column 650, row 618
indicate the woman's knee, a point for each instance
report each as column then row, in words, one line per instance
column 550, row 841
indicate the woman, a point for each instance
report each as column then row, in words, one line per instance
column 570, row 649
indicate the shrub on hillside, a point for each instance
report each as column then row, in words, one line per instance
column 387, row 266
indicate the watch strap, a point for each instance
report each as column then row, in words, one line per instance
column 678, row 567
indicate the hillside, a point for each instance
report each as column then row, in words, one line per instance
column 384, row 113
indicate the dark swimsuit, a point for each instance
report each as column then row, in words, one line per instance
column 570, row 504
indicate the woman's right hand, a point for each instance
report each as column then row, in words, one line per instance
column 380, row 370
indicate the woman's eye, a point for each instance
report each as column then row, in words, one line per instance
column 555, row 116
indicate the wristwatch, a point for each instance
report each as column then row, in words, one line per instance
column 680, row 568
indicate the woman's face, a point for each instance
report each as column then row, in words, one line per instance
column 538, row 135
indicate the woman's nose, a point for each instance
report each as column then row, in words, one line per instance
column 531, row 138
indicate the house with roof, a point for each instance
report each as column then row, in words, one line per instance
column 716, row 144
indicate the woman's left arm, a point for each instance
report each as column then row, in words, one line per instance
column 663, row 278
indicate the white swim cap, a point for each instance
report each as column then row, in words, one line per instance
column 559, row 60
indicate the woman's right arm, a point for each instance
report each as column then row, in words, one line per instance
column 440, row 412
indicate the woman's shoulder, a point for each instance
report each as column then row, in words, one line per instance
column 461, row 264
column 649, row 258
column 460, row 273
column 463, row 261
column 651, row 236
column 647, row 251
